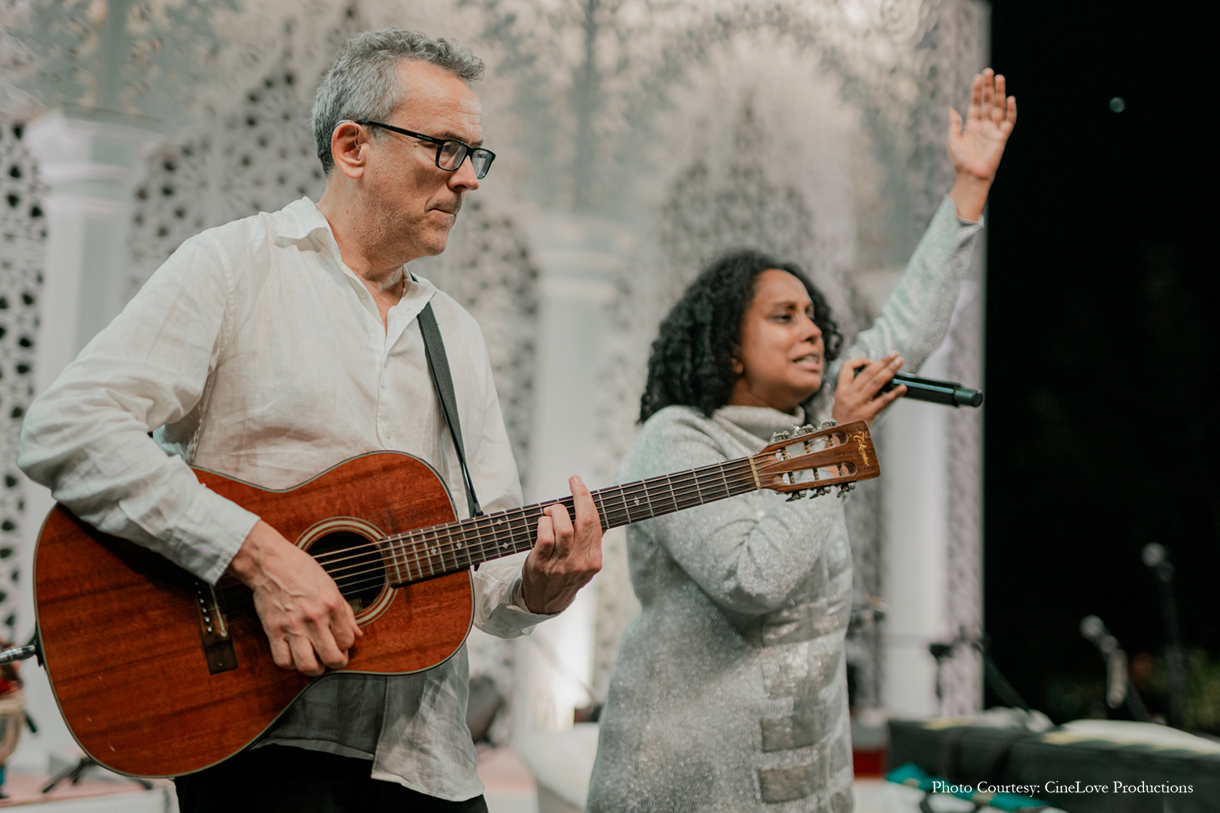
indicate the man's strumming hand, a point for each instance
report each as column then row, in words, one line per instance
column 308, row 622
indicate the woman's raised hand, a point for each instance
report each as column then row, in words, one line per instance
column 976, row 148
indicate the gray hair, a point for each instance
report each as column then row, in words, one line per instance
column 362, row 84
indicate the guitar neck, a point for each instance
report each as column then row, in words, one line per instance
column 456, row 546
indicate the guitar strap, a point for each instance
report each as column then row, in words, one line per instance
column 434, row 349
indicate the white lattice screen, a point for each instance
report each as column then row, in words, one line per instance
column 828, row 117
column 22, row 235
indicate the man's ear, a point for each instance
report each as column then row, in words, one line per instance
column 348, row 148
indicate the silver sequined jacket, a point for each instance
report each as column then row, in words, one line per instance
column 730, row 688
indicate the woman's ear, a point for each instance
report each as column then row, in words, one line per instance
column 736, row 366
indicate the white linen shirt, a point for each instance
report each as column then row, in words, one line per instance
column 255, row 352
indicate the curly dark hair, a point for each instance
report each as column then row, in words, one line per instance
column 691, row 360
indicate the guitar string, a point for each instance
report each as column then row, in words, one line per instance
column 697, row 489
column 711, row 479
column 474, row 532
column 476, row 541
column 478, row 532
column 525, row 535
column 466, row 539
column 472, row 536
column 380, row 570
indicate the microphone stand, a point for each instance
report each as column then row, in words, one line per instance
column 74, row 774
column 992, row 676
column 1119, row 688
column 31, row 649
column 12, row 654
column 1157, row 559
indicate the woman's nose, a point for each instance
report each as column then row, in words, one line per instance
column 810, row 329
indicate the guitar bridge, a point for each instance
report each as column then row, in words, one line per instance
column 214, row 630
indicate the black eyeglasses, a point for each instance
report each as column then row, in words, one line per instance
column 450, row 153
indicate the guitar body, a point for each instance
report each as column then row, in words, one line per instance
column 125, row 645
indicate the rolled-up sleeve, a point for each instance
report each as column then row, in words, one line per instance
column 499, row 602
column 87, row 436
column 915, row 318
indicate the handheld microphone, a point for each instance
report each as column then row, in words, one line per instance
column 949, row 393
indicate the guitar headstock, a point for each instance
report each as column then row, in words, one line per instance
column 814, row 460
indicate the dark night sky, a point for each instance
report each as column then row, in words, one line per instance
column 1101, row 342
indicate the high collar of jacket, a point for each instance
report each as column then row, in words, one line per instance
column 761, row 422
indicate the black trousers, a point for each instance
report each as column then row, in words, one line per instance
column 297, row 780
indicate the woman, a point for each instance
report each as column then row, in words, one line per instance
column 730, row 689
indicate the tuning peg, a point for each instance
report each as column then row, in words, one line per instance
column 782, row 435
column 821, row 491
column 828, row 423
column 796, row 495
column 844, row 488
column 803, row 430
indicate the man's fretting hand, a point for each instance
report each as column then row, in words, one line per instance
column 308, row 622
column 566, row 555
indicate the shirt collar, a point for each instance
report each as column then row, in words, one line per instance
column 301, row 220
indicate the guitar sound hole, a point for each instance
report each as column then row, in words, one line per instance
column 355, row 564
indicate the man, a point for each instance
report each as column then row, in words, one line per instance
column 274, row 347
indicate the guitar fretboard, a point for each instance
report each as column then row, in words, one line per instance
column 455, row 546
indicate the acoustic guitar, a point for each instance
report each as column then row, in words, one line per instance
column 158, row 673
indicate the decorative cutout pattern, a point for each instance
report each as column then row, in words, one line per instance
column 155, row 63
column 651, row 157
column 22, row 239
column 258, row 157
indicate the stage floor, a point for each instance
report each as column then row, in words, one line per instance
column 510, row 789
column 86, row 796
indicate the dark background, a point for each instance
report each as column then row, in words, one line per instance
column 1102, row 350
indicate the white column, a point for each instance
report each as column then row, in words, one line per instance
column 577, row 255
column 90, row 162
column 915, row 508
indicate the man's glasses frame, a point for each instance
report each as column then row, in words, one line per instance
column 450, row 153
